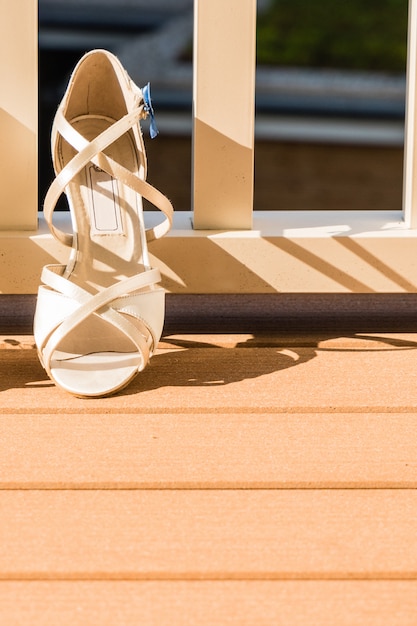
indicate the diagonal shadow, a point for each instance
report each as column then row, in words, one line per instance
column 218, row 266
column 317, row 263
column 373, row 261
column 18, row 172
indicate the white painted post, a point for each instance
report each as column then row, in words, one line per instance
column 18, row 114
column 224, row 113
column 410, row 147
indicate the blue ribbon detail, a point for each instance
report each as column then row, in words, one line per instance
column 146, row 91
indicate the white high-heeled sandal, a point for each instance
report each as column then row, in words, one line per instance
column 99, row 318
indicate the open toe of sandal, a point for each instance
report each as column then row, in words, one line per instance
column 99, row 318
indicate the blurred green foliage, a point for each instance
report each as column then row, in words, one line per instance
column 348, row 34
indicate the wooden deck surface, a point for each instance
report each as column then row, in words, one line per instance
column 240, row 480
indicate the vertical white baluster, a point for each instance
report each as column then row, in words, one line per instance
column 224, row 112
column 18, row 114
column 410, row 148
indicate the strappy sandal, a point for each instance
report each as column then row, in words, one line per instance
column 99, row 318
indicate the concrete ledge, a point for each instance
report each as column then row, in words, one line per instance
column 284, row 252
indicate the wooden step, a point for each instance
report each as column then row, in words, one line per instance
column 190, row 376
column 208, row 451
column 241, row 479
column 208, row 535
column 237, row 603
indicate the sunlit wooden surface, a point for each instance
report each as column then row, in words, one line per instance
column 240, row 480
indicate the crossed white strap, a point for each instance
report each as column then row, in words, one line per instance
column 99, row 304
column 92, row 151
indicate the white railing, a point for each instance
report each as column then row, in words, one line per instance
column 224, row 113
column 18, row 114
column 410, row 165
column 222, row 246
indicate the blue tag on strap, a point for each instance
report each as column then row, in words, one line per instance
column 146, row 91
